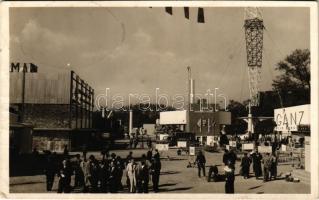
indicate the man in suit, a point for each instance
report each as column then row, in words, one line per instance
column 64, row 175
column 201, row 161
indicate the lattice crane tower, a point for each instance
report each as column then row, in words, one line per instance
column 254, row 28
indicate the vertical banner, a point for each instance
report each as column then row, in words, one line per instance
column 200, row 17
column 186, row 12
column 169, row 10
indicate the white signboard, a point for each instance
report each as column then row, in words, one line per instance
column 248, row 146
column 173, row 117
column 163, row 136
column 162, row 147
column 150, row 129
column 182, row 144
column 192, row 151
column 264, row 149
column 210, row 140
column 283, row 147
column 288, row 119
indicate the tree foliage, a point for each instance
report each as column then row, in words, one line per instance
column 293, row 83
column 237, row 109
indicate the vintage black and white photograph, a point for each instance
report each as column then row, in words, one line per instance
column 170, row 99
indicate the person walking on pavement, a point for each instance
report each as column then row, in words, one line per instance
column 131, row 170
column 155, row 171
column 78, row 173
column 93, row 173
column 104, row 176
column 144, row 175
column 225, row 157
column 112, row 178
column 267, row 160
column 50, row 171
column 64, row 175
column 146, row 160
column 156, row 155
column 149, row 155
column 120, row 167
column 139, row 178
column 229, row 178
column 85, row 167
column 274, row 165
column 201, row 161
column 232, row 157
column 128, row 160
column 257, row 158
column 245, row 165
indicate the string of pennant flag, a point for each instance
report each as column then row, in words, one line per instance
column 200, row 13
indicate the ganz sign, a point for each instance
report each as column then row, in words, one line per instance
column 290, row 118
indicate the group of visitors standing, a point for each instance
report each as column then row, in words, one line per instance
column 91, row 175
column 105, row 175
column 269, row 161
column 140, row 173
column 262, row 165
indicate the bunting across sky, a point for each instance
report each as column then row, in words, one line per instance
column 200, row 14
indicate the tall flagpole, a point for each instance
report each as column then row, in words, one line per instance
column 189, row 74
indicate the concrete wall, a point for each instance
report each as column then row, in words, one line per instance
column 42, row 88
column 47, row 115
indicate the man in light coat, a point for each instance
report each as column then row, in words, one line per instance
column 131, row 170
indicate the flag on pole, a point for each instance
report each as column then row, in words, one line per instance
column 169, row 10
column 33, row 68
column 200, row 16
column 186, row 12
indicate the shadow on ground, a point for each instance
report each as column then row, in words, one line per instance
column 169, row 172
column 175, row 189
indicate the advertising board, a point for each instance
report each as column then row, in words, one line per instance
column 162, row 147
column 264, row 149
column 248, row 146
column 290, row 118
column 182, row 144
column 173, row 117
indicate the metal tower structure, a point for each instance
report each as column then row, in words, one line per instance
column 254, row 28
column 254, row 46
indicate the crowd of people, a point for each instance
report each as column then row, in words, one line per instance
column 104, row 175
column 268, row 161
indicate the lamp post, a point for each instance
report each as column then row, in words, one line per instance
column 215, row 95
column 189, row 107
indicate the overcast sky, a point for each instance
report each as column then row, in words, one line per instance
column 135, row 50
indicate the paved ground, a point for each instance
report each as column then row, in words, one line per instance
column 176, row 178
